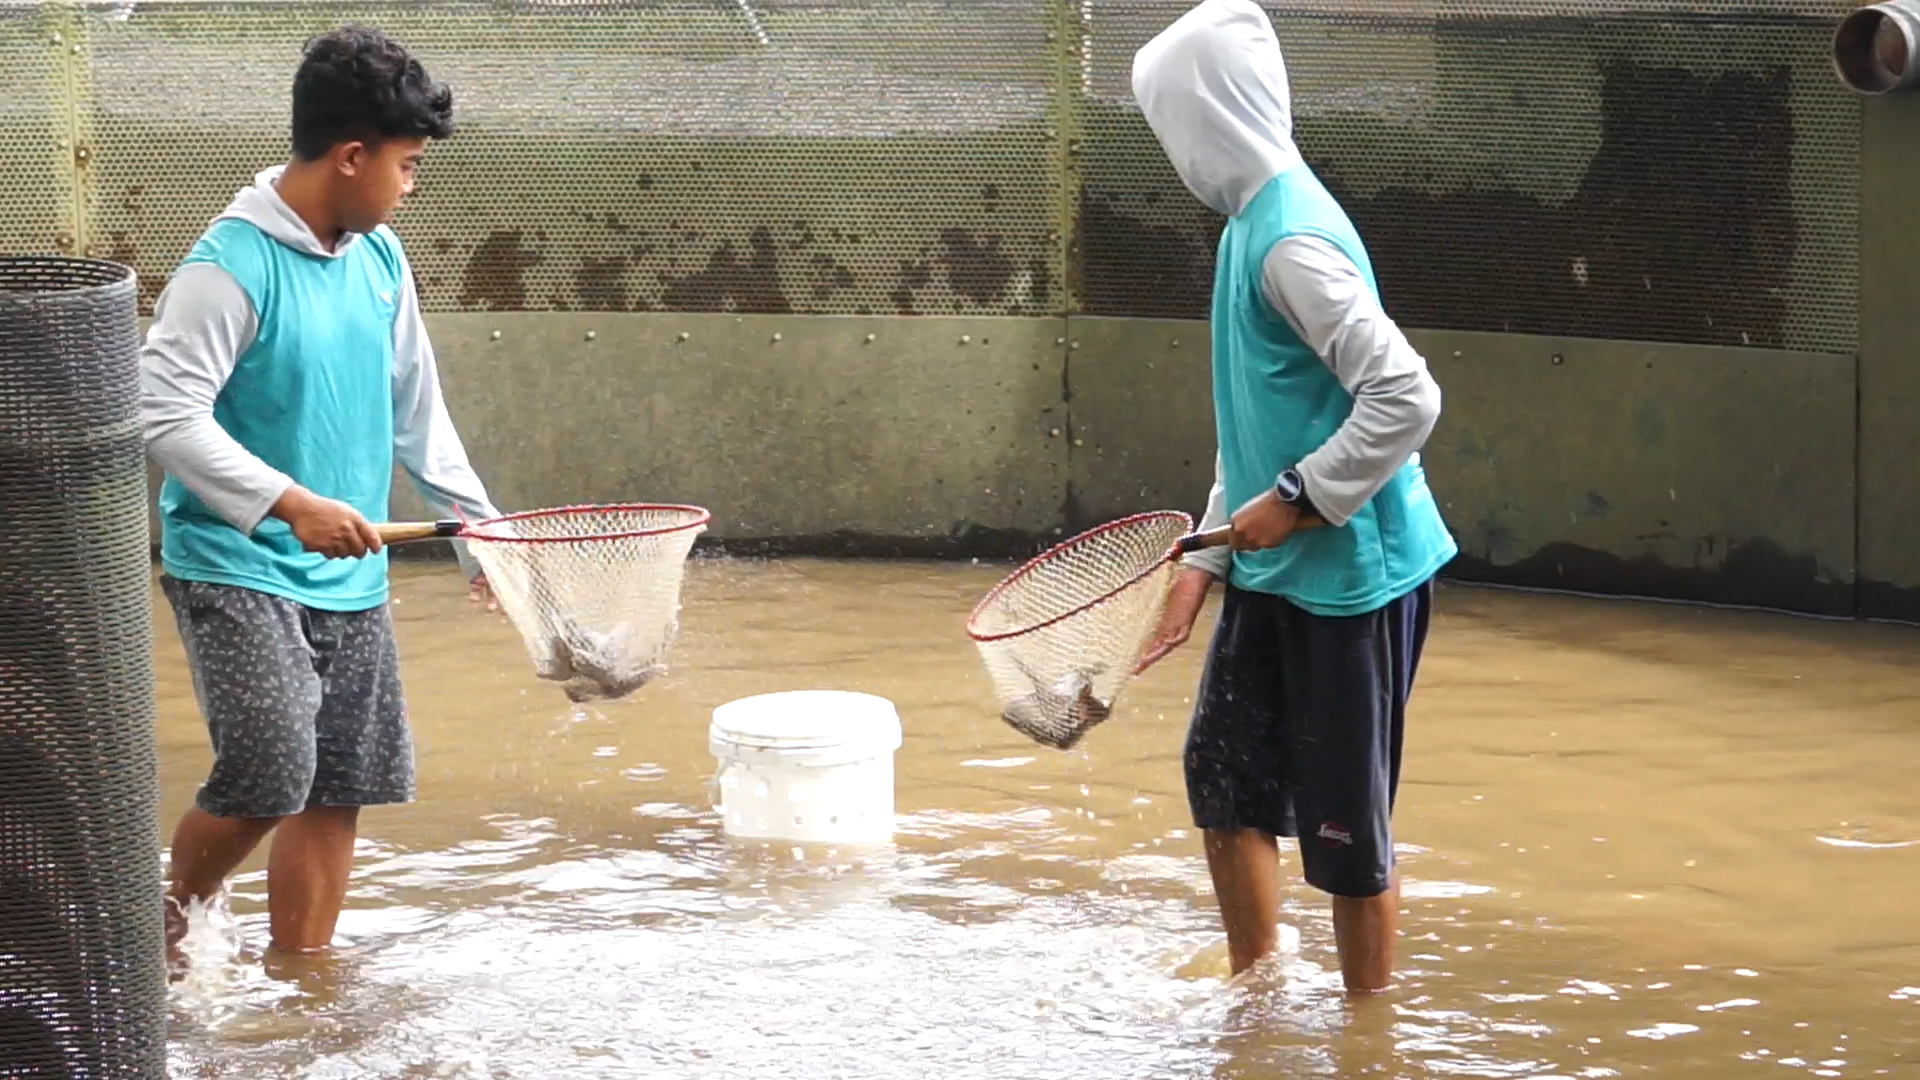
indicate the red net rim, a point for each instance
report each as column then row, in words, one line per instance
column 699, row 518
column 1055, row 552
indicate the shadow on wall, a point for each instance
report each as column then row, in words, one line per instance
column 1757, row 573
column 1649, row 247
column 1681, row 230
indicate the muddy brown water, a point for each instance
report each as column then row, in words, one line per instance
column 1638, row 840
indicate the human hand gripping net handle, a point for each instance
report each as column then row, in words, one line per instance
column 1059, row 636
column 593, row 590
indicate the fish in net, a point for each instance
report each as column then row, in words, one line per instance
column 1060, row 635
column 593, row 590
column 592, row 665
column 1058, row 715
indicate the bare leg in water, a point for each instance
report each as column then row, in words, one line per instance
column 307, row 870
column 1245, row 864
column 205, row 850
column 1365, row 928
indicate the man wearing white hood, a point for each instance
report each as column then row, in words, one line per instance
column 1321, row 407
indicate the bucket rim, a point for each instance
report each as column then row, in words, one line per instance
column 879, row 728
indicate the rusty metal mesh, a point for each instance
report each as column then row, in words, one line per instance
column 1605, row 168
column 82, row 990
column 1060, row 636
column 37, row 202
column 691, row 155
column 1612, row 169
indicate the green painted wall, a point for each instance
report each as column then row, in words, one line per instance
column 1698, row 473
column 938, row 435
column 1890, row 359
column 1691, row 472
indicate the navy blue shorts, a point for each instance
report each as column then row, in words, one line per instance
column 1298, row 731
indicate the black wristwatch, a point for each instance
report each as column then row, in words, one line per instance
column 1292, row 490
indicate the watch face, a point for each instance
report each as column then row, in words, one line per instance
column 1289, row 486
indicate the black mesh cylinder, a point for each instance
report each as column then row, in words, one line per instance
column 82, row 981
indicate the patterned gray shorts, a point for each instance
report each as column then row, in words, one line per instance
column 304, row 706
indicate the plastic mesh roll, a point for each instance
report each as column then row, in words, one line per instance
column 82, row 982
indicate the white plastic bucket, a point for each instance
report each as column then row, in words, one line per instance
column 807, row 766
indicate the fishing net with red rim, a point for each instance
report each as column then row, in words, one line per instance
column 593, row 590
column 1060, row 636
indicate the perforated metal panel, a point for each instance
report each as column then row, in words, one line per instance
column 699, row 156
column 82, row 989
column 1601, row 169
column 36, row 173
column 1584, row 169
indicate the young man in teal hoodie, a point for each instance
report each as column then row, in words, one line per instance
column 286, row 370
column 1321, row 407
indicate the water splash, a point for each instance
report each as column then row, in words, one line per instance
column 222, row 986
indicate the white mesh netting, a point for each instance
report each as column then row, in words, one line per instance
column 1061, row 635
column 593, row 590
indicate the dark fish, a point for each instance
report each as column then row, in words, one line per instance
column 594, row 666
column 1059, row 715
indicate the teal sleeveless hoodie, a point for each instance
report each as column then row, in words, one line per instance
column 312, row 396
column 1213, row 87
column 1276, row 401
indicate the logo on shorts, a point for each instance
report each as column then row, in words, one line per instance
column 1334, row 835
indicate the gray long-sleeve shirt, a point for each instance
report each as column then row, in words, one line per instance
column 204, row 322
column 1318, row 290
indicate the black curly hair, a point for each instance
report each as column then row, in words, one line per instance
column 356, row 84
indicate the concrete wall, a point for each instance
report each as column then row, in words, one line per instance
column 1889, row 572
column 1694, row 473
column 820, row 433
column 1683, row 472
column 1686, row 472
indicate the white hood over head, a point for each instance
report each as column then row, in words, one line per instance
column 1213, row 87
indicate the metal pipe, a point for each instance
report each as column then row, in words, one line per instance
column 1876, row 49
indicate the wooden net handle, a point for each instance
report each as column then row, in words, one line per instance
column 401, row 532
